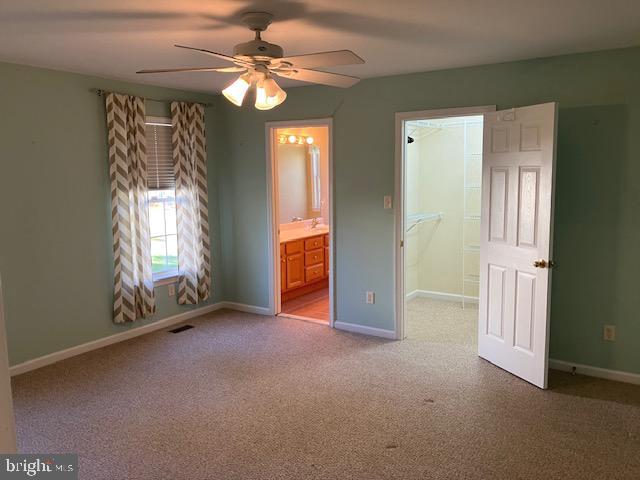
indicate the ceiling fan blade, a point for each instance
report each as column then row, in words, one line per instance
column 322, row 78
column 323, row 59
column 216, row 54
column 196, row 69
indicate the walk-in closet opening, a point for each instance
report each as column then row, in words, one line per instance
column 443, row 175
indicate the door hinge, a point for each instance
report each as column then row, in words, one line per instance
column 401, row 243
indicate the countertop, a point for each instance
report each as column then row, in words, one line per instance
column 299, row 233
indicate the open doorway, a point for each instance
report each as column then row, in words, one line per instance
column 300, row 181
column 443, row 162
column 475, row 192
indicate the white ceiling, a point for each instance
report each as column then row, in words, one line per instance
column 114, row 38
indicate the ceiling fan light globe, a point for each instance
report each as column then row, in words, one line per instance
column 269, row 94
column 236, row 92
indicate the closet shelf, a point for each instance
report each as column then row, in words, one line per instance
column 418, row 218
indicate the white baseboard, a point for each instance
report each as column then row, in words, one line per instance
column 376, row 332
column 134, row 332
column 590, row 371
column 452, row 297
column 243, row 307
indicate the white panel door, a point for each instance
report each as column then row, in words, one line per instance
column 516, row 239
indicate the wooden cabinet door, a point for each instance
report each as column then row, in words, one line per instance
column 295, row 270
column 283, row 268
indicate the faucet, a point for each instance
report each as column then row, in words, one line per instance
column 296, row 219
column 315, row 222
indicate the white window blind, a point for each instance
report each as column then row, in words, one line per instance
column 160, row 174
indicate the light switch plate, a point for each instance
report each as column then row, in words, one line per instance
column 171, row 289
column 371, row 298
column 609, row 333
column 387, row 201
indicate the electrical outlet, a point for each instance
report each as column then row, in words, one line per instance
column 387, row 201
column 609, row 333
column 171, row 289
column 371, row 298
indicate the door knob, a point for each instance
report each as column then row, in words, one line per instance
column 544, row 264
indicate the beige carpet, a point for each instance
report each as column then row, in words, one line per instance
column 440, row 321
column 248, row 397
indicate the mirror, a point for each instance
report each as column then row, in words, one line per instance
column 303, row 173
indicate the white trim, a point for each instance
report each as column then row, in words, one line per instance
column 165, row 278
column 617, row 375
column 243, row 307
column 7, row 418
column 452, row 297
column 120, row 337
column 401, row 118
column 363, row 329
column 272, row 206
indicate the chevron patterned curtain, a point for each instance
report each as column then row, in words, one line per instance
column 190, row 167
column 133, row 279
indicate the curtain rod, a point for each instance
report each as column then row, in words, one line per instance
column 100, row 92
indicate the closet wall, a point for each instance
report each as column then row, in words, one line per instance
column 443, row 207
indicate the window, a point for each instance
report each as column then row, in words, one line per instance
column 162, row 198
column 315, row 178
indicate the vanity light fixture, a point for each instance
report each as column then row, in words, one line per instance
column 296, row 139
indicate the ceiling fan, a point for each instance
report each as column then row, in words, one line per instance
column 258, row 61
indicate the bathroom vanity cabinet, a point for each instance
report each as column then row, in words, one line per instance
column 304, row 265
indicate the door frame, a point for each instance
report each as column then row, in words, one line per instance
column 7, row 418
column 400, row 187
column 272, row 217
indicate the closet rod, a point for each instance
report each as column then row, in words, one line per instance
column 101, row 93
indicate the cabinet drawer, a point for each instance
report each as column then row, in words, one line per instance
column 313, row 243
column 313, row 273
column 314, row 257
column 294, row 246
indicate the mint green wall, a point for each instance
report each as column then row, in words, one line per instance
column 597, row 239
column 55, row 243
column 56, row 257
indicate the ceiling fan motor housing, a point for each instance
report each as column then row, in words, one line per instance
column 258, row 50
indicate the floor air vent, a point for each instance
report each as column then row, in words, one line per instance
column 181, row 329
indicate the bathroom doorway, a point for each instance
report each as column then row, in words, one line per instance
column 441, row 199
column 301, row 219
